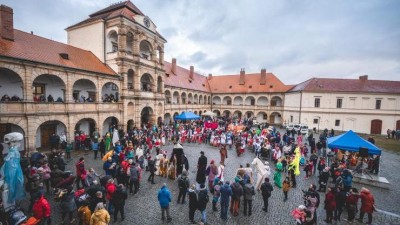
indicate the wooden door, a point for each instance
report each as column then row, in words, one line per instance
column 46, row 132
column 376, row 126
column 398, row 125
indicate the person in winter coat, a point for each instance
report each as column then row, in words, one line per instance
column 100, row 216
column 41, row 210
column 226, row 193
column 80, row 173
column 330, row 204
column 68, row 205
column 133, row 177
column 152, row 170
column 46, row 175
column 347, row 180
column 248, row 197
column 96, row 199
column 216, row 193
column 118, row 200
column 367, row 204
column 340, row 202
column 202, row 202
column 266, row 191
column 237, row 192
column 323, row 179
column 286, row 188
column 164, row 197
column 212, row 171
column 351, row 204
column 193, row 203
column 183, row 185
column 201, row 169
column 110, row 190
column 84, row 214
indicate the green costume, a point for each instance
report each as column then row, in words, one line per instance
column 277, row 175
column 108, row 142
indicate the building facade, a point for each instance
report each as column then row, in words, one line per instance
column 112, row 72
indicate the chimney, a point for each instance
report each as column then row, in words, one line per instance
column 173, row 67
column 241, row 78
column 191, row 74
column 363, row 77
column 6, row 22
column 209, row 76
column 263, row 78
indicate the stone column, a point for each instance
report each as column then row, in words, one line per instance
column 28, row 84
column 68, row 88
column 121, row 39
column 162, row 57
column 136, row 80
column 136, row 44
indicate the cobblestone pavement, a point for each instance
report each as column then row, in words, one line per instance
column 143, row 208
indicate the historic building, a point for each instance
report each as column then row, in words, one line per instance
column 113, row 72
column 362, row 105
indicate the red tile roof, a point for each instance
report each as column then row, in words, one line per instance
column 347, row 85
column 38, row 49
column 125, row 9
column 181, row 79
column 113, row 7
column 230, row 84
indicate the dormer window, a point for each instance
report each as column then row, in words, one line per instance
column 190, row 81
column 271, row 86
column 230, row 86
column 250, row 86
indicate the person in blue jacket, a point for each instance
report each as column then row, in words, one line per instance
column 226, row 193
column 164, row 197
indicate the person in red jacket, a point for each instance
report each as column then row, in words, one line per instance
column 41, row 210
column 80, row 173
column 367, row 204
column 110, row 189
column 351, row 204
column 330, row 204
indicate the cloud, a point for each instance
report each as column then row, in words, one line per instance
column 293, row 39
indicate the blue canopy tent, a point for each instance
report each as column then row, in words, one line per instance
column 350, row 141
column 187, row 116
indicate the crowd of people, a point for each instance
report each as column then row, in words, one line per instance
column 129, row 156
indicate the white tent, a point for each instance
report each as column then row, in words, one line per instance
column 208, row 113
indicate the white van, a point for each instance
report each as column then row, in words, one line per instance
column 304, row 130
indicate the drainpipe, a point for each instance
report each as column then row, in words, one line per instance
column 301, row 101
column 104, row 42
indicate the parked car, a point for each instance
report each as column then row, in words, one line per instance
column 297, row 127
column 290, row 127
column 304, row 130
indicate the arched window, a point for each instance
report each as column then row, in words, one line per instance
column 146, row 50
column 146, row 82
column 129, row 42
column 112, row 43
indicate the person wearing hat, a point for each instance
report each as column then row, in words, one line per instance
column 193, row 203
column 201, row 169
column 248, row 193
column 237, row 192
column 164, row 198
column 266, row 191
column 134, row 175
column 226, row 193
column 216, row 193
column 367, row 205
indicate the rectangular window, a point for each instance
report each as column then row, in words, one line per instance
column 315, row 121
column 317, row 102
column 291, row 119
column 378, row 104
column 265, row 116
column 252, row 102
column 339, row 102
column 337, row 123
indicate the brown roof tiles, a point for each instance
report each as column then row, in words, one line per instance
column 38, row 49
column 182, row 79
column 230, row 84
column 348, row 85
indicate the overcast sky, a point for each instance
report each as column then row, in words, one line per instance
column 295, row 40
